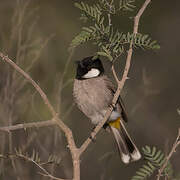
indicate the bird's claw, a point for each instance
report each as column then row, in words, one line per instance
column 94, row 127
column 113, row 106
column 105, row 125
column 93, row 139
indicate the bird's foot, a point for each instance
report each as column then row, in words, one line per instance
column 93, row 139
column 113, row 106
column 105, row 125
column 93, row 128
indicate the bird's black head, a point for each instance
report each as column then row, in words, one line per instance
column 89, row 68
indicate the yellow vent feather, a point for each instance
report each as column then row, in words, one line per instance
column 115, row 124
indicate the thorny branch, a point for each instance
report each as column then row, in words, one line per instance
column 28, row 125
column 22, row 156
column 45, row 172
column 173, row 150
column 56, row 119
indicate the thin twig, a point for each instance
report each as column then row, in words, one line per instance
column 36, row 57
column 173, row 150
column 29, row 141
column 120, row 83
column 61, row 83
column 39, row 166
column 130, row 51
column 138, row 16
column 2, row 151
column 28, row 125
column 10, row 142
column 114, row 74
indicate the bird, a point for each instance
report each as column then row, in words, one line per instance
column 93, row 92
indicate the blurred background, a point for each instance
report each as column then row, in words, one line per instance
column 36, row 34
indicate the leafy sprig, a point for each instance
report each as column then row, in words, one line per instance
column 154, row 160
column 111, row 43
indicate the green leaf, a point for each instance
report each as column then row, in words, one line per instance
column 111, row 43
column 126, row 5
column 140, row 40
column 106, row 55
column 154, row 160
column 93, row 12
column 81, row 38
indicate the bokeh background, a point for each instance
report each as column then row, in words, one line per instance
column 151, row 95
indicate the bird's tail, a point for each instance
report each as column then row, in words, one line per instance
column 127, row 149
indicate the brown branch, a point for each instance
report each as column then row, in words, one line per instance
column 28, row 125
column 46, row 173
column 59, row 123
column 120, row 83
column 25, row 157
column 27, row 77
column 114, row 74
column 173, row 150
column 138, row 16
column 60, row 84
column 130, row 51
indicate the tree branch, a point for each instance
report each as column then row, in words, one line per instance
column 130, row 51
column 25, row 157
column 173, row 150
column 28, row 125
column 56, row 119
column 46, row 173
column 120, row 83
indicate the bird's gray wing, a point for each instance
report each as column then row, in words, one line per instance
column 112, row 87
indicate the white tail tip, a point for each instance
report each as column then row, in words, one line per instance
column 136, row 155
column 125, row 158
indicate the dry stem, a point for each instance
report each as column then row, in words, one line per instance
column 58, row 122
column 28, row 125
column 173, row 150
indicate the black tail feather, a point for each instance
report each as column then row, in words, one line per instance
column 127, row 149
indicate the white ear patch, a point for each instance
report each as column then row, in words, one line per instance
column 92, row 73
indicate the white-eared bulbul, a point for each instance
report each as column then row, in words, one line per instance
column 93, row 93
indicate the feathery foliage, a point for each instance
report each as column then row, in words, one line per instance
column 93, row 12
column 111, row 43
column 127, row 5
column 35, row 158
column 154, row 160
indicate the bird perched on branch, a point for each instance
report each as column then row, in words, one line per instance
column 93, row 93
